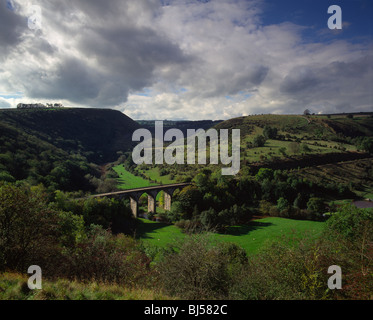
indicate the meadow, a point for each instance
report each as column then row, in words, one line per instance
column 127, row 180
column 252, row 237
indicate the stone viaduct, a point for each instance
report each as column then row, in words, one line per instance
column 135, row 194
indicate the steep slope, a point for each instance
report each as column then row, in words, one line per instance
column 299, row 140
column 94, row 133
column 61, row 148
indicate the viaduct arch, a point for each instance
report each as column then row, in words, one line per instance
column 135, row 194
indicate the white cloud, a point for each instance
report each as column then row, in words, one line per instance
column 198, row 60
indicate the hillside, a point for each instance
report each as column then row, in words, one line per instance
column 300, row 141
column 311, row 127
column 61, row 148
column 299, row 137
column 95, row 133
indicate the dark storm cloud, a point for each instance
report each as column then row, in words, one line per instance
column 299, row 80
column 12, row 25
column 336, row 78
column 73, row 77
column 132, row 53
column 239, row 80
column 98, row 51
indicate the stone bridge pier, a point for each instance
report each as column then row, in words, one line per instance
column 168, row 193
column 152, row 201
column 135, row 194
column 134, row 202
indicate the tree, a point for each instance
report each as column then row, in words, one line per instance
column 300, row 201
column 305, row 148
column 316, row 205
column 306, row 112
column 282, row 150
column 264, row 173
column 269, row 132
column 28, row 228
column 259, row 141
column 349, row 221
column 367, row 145
column 282, row 204
column 188, row 198
column 199, row 270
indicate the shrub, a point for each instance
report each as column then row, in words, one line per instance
column 28, row 229
column 282, row 204
column 196, row 270
column 108, row 258
column 259, row 141
column 316, row 206
column 348, row 221
column 282, row 272
column 269, row 132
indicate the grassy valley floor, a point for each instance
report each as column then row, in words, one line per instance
column 250, row 237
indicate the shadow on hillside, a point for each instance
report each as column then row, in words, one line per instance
column 245, row 229
column 143, row 228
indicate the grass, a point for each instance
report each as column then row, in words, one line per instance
column 254, row 236
column 153, row 174
column 250, row 237
column 128, row 180
column 13, row 286
column 157, row 233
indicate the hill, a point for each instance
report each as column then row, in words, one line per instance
column 61, row 148
column 299, row 141
column 94, row 133
column 303, row 127
column 298, row 137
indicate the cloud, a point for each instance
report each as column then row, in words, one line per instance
column 11, row 27
column 4, row 103
column 189, row 56
column 111, row 54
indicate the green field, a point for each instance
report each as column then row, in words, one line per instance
column 153, row 174
column 254, row 236
column 128, row 180
column 250, row 237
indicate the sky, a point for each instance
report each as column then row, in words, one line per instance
column 188, row 59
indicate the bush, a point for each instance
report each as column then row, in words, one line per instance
column 259, row 141
column 108, row 258
column 197, row 269
column 29, row 229
column 269, row 132
column 282, row 204
column 109, row 213
column 348, row 221
column 316, row 206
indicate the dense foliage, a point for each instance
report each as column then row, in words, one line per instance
column 62, row 149
column 33, row 231
column 215, row 202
